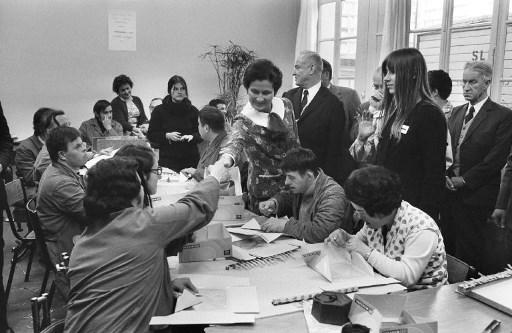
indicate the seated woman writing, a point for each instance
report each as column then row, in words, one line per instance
column 398, row 239
column 119, row 277
column 211, row 127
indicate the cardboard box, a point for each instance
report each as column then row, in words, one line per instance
column 211, row 242
column 385, row 314
column 231, row 204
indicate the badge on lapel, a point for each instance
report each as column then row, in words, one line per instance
column 404, row 129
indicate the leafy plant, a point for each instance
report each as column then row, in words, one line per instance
column 229, row 63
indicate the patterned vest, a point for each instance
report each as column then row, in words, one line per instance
column 409, row 220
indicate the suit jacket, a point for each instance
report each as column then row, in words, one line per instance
column 351, row 102
column 483, row 152
column 419, row 157
column 26, row 154
column 120, row 112
column 321, row 129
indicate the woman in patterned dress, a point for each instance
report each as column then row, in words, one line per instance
column 397, row 239
column 264, row 131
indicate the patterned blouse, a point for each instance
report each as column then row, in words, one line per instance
column 264, row 149
column 410, row 220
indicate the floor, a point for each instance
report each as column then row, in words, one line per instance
column 19, row 313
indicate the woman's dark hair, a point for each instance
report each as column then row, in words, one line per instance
column 120, row 81
column 174, row 80
column 112, row 184
column 212, row 117
column 375, row 188
column 40, row 120
column 145, row 159
column 100, row 106
column 263, row 69
column 300, row 160
column 441, row 81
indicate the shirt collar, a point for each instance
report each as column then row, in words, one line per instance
column 312, row 91
column 478, row 105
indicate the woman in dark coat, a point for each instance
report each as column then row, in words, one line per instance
column 173, row 127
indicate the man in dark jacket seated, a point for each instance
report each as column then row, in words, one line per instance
column 315, row 202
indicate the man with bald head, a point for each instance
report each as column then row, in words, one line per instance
column 320, row 123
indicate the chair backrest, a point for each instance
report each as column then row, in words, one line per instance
column 38, row 231
column 458, row 270
column 15, row 192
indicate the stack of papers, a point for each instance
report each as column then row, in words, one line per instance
column 253, row 228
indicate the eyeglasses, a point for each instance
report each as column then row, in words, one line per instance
column 157, row 171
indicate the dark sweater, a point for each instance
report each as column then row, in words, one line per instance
column 419, row 157
column 175, row 117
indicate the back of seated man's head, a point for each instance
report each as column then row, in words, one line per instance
column 376, row 189
column 301, row 168
column 65, row 144
column 220, row 104
column 440, row 83
column 56, row 118
column 40, row 121
column 213, row 118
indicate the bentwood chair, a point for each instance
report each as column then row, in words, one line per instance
column 458, row 270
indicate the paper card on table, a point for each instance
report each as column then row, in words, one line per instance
column 203, row 281
column 243, row 299
column 318, row 261
column 372, row 310
column 240, row 254
column 267, row 237
column 202, row 318
column 252, row 224
column 186, row 300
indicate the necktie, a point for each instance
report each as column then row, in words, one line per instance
column 470, row 115
column 304, row 101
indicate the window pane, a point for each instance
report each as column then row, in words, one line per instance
column 347, row 61
column 426, row 14
column 506, row 80
column 471, row 11
column 466, row 46
column 349, row 18
column 346, row 83
column 510, row 11
column 326, row 51
column 429, row 44
column 326, row 18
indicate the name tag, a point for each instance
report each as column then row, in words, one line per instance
column 404, row 129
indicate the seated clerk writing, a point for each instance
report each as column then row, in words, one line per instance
column 119, row 276
column 315, row 202
column 398, row 239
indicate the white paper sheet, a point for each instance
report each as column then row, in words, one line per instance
column 186, row 300
column 203, row 317
column 266, row 236
column 122, row 30
column 243, row 299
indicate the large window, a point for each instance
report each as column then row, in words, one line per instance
column 337, row 38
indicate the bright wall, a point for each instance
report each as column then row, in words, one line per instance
column 55, row 52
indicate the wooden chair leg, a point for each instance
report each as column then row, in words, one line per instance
column 50, row 295
column 32, row 249
column 14, row 261
column 45, row 281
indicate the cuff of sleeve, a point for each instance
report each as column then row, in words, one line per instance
column 232, row 158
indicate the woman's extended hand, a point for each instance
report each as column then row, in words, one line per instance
column 173, row 136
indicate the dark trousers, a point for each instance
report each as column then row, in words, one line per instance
column 478, row 242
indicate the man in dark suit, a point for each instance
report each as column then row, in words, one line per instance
column 5, row 158
column 481, row 133
column 347, row 96
column 320, row 123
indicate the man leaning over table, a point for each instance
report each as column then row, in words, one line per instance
column 398, row 239
column 314, row 201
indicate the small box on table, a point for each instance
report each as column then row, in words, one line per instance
column 211, row 242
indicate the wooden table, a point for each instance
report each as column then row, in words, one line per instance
column 454, row 313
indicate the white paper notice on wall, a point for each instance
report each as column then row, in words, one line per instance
column 122, row 30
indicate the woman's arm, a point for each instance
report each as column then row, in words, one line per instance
column 412, row 264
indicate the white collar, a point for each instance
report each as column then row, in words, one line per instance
column 261, row 118
column 312, row 91
column 478, row 105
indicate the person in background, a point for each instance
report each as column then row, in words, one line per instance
column 441, row 87
column 220, row 104
column 5, row 158
column 102, row 125
column 28, row 149
column 174, row 129
column 127, row 109
column 413, row 138
column 481, row 132
column 320, row 118
column 263, row 131
column 60, row 201
column 211, row 126
column 368, row 126
column 57, row 118
column 107, row 282
column 314, row 201
column 154, row 103
column 349, row 97
column 398, row 239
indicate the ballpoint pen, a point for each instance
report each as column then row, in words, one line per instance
column 492, row 326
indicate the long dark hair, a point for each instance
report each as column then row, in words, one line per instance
column 411, row 85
